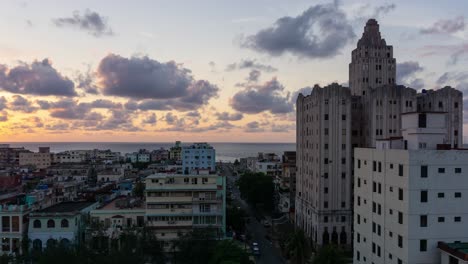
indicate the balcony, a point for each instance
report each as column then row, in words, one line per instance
column 169, row 224
column 168, row 199
column 172, row 211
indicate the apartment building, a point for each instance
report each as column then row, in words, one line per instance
column 198, row 156
column 410, row 194
column 178, row 203
column 326, row 133
column 14, row 223
column 323, row 184
column 38, row 160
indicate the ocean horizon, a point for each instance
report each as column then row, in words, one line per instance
column 225, row 151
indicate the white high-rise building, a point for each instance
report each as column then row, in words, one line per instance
column 331, row 121
column 410, row 194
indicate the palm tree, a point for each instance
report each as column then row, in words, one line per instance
column 298, row 247
column 330, row 255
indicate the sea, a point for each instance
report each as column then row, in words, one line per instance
column 227, row 152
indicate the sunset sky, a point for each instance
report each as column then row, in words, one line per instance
column 217, row 71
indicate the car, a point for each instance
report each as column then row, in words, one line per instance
column 254, row 244
column 256, row 251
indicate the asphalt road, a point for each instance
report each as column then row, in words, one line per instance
column 268, row 253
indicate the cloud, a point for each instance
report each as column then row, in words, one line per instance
column 304, row 91
column 446, row 26
column 3, row 116
column 452, row 78
column 456, row 52
column 73, row 110
column 319, row 32
column 282, row 128
column 3, row 103
column 225, row 116
column 253, row 127
column 254, row 99
column 169, row 85
column 85, row 81
column 253, row 76
column 383, row 9
column 91, row 22
column 151, row 119
column 250, row 64
column 37, row 78
column 21, row 104
column 405, row 73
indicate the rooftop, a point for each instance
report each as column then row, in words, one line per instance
column 66, row 207
column 457, row 249
column 124, row 203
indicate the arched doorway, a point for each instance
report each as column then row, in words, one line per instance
column 37, row 244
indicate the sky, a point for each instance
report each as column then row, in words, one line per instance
column 216, row 71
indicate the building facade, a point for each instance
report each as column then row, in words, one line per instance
column 14, row 223
column 323, row 180
column 410, row 194
column 178, row 203
column 198, row 156
column 38, row 160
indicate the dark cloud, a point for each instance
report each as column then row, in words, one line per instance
column 3, row 103
column 253, row 127
column 85, row 81
column 193, row 114
column 405, row 73
column 250, row 64
column 253, row 76
column 21, row 104
column 3, row 116
column 319, row 32
column 304, row 91
column 452, row 78
column 255, row 99
column 90, row 21
column 446, row 26
column 151, row 119
column 168, row 84
column 118, row 120
column 225, row 116
column 282, row 128
column 73, row 110
column 38, row 78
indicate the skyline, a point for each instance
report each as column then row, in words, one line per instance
column 236, row 78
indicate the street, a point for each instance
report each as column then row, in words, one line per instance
column 268, row 253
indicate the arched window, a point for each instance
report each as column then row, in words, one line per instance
column 64, row 223
column 65, row 242
column 37, row 224
column 51, row 242
column 37, row 244
column 50, row 223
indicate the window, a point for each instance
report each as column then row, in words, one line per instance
column 457, row 219
column 458, row 170
column 441, row 219
column 400, row 170
column 325, row 219
column 458, row 195
column 441, row 170
column 374, row 165
column 326, row 116
column 441, row 195
column 400, row 218
column 50, row 223
column 325, row 161
column 423, row 196
column 423, row 220
column 343, row 117
column 359, row 163
column 326, row 146
column 400, row 241
column 37, row 223
column 325, row 204
column 64, row 223
column 400, row 194
column 423, row 245
column 424, row 171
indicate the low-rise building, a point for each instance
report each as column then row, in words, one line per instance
column 14, row 223
column 40, row 160
column 61, row 223
column 177, row 203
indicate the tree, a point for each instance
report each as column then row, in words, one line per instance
column 330, row 254
column 227, row 252
column 139, row 189
column 235, row 219
column 298, row 247
column 257, row 188
column 236, row 162
column 195, row 247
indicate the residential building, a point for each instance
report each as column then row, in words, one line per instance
column 288, row 180
column 323, row 185
column 327, row 133
column 178, row 203
column 40, row 160
column 71, row 156
column 9, row 157
column 410, row 194
column 161, row 154
column 14, row 223
column 142, row 156
column 175, row 152
column 198, row 156
column 60, row 223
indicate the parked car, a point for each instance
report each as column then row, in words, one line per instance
column 255, row 249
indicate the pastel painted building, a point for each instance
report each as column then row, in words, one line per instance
column 61, row 223
column 14, row 223
column 198, row 156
